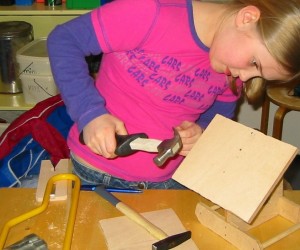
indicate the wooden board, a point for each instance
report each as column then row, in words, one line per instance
column 235, row 166
column 123, row 233
column 60, row 191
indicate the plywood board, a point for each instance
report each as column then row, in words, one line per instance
column 235, row 166
column 123, row 233
column 60, row 190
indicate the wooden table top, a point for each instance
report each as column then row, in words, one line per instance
column 50, row 225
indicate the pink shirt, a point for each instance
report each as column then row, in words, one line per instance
column 155, row 74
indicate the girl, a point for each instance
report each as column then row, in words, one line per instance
column 165, row 64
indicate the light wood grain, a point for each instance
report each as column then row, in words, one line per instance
column 235, row 166
column 60, row 191
column 88, row 235
column 123, row 233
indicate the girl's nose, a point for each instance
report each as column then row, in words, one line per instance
column 245, row 75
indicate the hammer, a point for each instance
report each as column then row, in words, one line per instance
column 129, row 144
column 165, row 242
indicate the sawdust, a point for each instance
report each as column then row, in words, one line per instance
column 56, row 235
column 51, row 226
column 55, row 246
column 83, row 216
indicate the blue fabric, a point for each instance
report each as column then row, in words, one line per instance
column 105, row 1
column 226, row 109
column 25, row 158
column 89, row 176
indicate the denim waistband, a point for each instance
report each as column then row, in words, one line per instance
column 90, row 176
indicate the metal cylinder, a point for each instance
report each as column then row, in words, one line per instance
column 13, row 36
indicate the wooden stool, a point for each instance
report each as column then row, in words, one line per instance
column 281, row 96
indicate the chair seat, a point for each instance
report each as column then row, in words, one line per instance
column 283, row 97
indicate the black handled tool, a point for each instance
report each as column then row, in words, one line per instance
column 129, row 144
column 123, row 143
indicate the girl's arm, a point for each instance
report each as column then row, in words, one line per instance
column 68, row 45
column 226, row 109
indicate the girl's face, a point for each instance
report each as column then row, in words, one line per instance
column 238, row 50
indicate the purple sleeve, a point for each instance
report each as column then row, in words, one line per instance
column 227, row 109
column 68, row 45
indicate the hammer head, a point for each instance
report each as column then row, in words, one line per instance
column 172, row 241
column 168, row 148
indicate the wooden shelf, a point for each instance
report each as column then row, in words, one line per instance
column 38, row 9
column 43, row 19
column 12, row 102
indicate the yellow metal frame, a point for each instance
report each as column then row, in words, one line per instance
column 72, row 213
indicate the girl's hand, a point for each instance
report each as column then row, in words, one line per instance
column 99, row 134
column 189, row 133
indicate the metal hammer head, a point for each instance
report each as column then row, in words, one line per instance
column 168, row 148
column 172, row 241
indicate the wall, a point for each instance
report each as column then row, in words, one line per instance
column 250, row 117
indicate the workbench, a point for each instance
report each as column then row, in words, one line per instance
column 92, row 208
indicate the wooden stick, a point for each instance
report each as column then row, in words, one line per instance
column 132, row 214
column 281, row 235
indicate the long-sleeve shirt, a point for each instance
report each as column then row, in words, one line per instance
column 155, row 73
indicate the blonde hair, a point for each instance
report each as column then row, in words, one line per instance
column 279, row 27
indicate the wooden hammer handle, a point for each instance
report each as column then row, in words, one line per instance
column 142, row 221
column 131, row 214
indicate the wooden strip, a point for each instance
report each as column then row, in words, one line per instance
column 289, row 209
column 215, row 222
column 281, row 236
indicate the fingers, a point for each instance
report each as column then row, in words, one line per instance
column 103, row 143
column 189, row 132
column 99, row 135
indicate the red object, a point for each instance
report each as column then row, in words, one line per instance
column 43, row 1
column 34, row 122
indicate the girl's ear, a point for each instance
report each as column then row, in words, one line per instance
column 247, row 16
